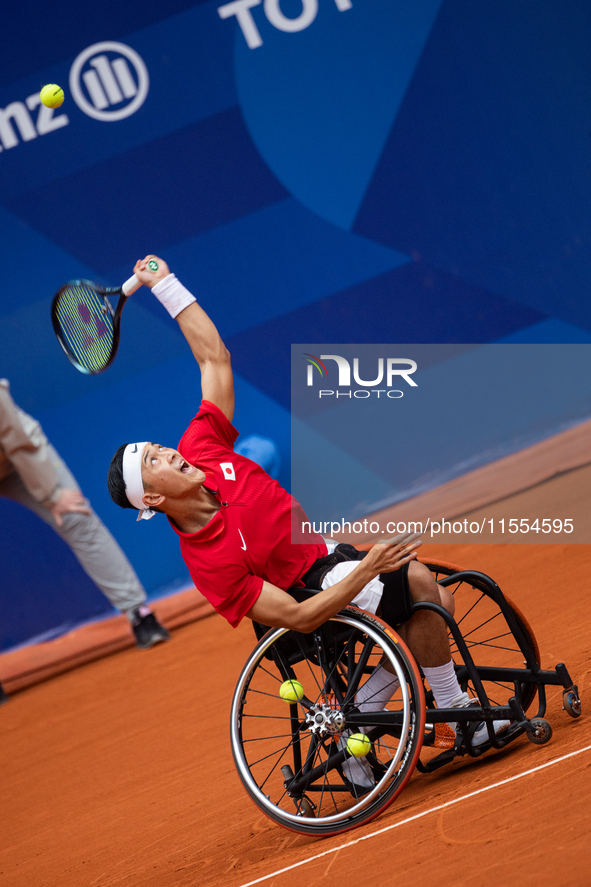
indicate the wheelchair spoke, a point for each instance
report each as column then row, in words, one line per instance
column 273, row 770
column 481, row 625
column 493, row 646
column 474, row 605
column 274, row 736
column 266, row 693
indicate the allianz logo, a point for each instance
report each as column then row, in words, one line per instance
column 108, row 81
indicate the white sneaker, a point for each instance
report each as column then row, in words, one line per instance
column 480, row 735
column 357, row 770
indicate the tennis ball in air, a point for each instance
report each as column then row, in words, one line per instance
column 358, row 745
column 52, row 95
column 291, row 691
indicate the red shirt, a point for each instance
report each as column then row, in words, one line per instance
column 249, row 539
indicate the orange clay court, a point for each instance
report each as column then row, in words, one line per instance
column 119, row 773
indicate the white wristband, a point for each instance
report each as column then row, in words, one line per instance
column 173, row 295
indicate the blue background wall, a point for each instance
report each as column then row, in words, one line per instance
column 396, row 171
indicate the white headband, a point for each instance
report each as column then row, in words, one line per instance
column 132, row 477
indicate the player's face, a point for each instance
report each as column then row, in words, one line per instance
column 165, row 471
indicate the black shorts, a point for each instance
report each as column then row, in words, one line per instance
column 396, row 603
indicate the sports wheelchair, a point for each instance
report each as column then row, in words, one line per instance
column 290, row 755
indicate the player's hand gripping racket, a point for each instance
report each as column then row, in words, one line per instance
column 85, row 324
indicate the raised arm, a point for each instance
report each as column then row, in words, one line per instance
column 217, row 381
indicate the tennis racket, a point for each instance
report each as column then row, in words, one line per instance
column 85, row 324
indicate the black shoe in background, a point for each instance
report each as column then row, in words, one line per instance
column 148, row 631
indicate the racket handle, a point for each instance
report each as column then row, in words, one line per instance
column 131, row 285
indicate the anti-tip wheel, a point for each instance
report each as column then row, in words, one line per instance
column 571, row 703
column 539, row 731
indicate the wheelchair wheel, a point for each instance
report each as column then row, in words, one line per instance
column 292, row 757
column 488, row 635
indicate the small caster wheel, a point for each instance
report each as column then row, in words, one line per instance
column 306, row 808
column 539, row 731
column 571, row 703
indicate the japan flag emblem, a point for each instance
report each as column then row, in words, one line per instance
column 228, row 470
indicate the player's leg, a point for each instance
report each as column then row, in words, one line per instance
column 425, row 632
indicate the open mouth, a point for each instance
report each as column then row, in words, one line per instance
column 185, row 467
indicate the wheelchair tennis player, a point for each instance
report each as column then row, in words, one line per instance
column 234, row 524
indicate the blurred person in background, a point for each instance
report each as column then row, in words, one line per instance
column 33, row 474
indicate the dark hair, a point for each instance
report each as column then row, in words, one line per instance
column 115, row 480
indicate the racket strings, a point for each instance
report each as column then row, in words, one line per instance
column 86, row 327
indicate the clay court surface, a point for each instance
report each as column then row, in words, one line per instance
column 120, row 772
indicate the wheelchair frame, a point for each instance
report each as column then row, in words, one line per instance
column 310, row 758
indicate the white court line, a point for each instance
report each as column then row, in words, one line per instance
column 389, row 828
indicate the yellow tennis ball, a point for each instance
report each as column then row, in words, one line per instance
column 291, row 691
column 358, row 745
column 52, row 95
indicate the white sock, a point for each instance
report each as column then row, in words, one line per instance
column 444, row 683
column 377, row 690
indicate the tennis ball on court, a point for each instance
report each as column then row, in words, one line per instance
column 358, row 745
column 291, row 691
column 52, row 95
